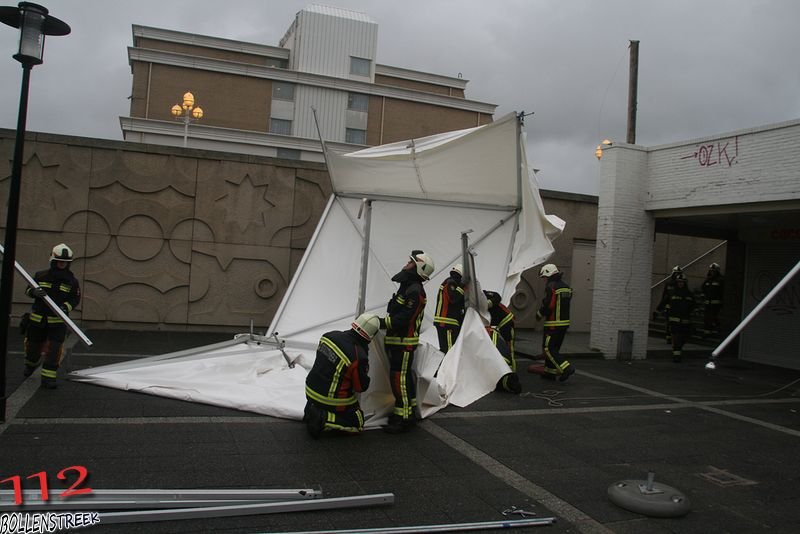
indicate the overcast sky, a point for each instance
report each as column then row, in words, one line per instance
column 705, row 66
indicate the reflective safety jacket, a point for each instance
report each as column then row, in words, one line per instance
column 555, row 304
column 681, row 304
column 450, row 303
column 405, row 311
column 61, row 286
column 713, row 288
column 340, row 370
column 501, row 317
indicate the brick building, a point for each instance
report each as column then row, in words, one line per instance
column 260, row 99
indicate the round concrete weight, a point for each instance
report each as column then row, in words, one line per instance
column 659, row 501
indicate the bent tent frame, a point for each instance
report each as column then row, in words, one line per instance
column 418, row 194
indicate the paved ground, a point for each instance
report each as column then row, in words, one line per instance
column 728, row 440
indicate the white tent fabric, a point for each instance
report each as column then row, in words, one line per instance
column 423, row 194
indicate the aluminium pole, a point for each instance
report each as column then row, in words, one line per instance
column 366, row 207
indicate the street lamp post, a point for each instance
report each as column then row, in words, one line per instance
column 187, row 112
column 34, row 24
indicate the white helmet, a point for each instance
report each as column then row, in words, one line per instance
column 714, row 266
column 548, row 270
column 367, row 325
column 61, row 252
column 458, row 268
column 424, row 263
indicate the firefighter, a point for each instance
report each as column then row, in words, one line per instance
column 663, row 304
column 501, row 318
column 713, row 287
column 46, row 331
column 679, row 312
column 555, row 312
column 341, row 369
column 402, row 323
column 508, row 382
column 450, row 309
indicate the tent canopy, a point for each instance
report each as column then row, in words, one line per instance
column 388, row 200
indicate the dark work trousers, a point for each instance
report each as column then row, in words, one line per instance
column 447, row 337
column 44, row 344
column 680, row 334
column 404, row 386
column 552, row 338
column 348, row 419
column 711, row 319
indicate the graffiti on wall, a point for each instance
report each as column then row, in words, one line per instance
column 719, row 153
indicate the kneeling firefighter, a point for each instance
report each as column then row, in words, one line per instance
column 340, row 370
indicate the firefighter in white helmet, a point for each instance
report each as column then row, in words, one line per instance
column 450, row 308
column 402, row 322
column 555, row 312
column 45, row 331
column 340, row 371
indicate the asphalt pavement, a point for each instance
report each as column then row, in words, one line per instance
column 725, row 440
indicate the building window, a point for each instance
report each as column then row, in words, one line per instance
column 359, row 66
column 278, row 63
column 283, row 91
column 288, row 153
column 280, row 126
column 357, row 102
column 355, row 136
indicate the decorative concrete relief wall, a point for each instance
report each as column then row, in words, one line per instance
column 165, row 237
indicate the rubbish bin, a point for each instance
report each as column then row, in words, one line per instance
column 624, row 345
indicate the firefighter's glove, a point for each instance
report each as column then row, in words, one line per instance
column 64, row 308
column 38, row 292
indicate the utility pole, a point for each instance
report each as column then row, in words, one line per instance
column 633, row 87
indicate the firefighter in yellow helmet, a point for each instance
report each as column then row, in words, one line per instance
column 340, row 370
column 45, row 331
column 402, row 323
column 555, row 312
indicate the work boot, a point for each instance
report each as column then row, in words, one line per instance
column 398, row 425
column 315, row 420
column 28, row 371
column 48, row 384
column 568, row 372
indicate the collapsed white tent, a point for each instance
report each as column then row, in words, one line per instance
column 388, row 200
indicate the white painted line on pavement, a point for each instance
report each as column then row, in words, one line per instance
column 698, row 405
column 18, row 399
column 563, row 509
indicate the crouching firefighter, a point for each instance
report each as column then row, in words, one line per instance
column 402, row 323
column 46, row 331
column 340, row 370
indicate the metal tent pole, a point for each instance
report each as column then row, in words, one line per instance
column 786, row 279
column 246, row 509
column 454, row 527
column 50, row 303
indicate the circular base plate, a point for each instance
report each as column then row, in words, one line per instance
column 660, row 501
